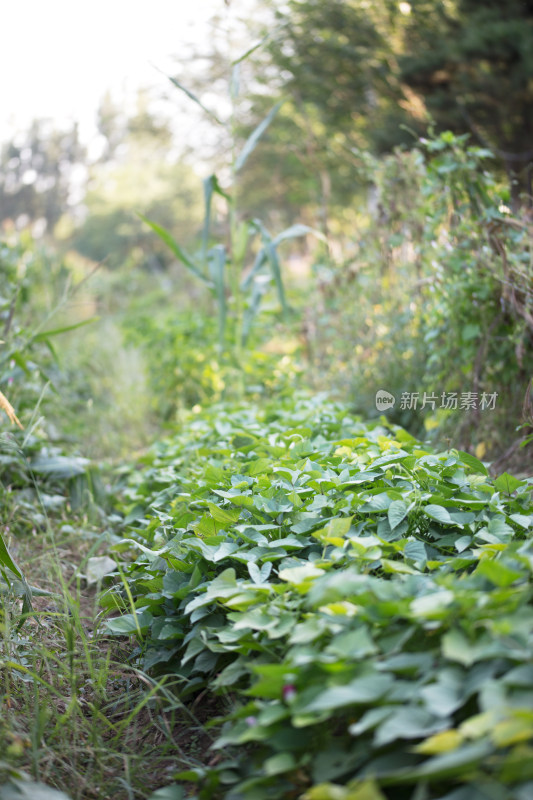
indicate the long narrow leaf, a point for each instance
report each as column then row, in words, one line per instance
column 275, row 266
column 254, row 137
column 7, row 561
column 39, row 337
column 20, row 361
column 258, row 225
column 211, row 187
column 259, row 288
column 217, row 264
column 294, row 232
column 195, row 99
column 178, row 251
column 251, row 50
column 208, row 196
column 235, row 82
column 260, row 260
column 269, row 248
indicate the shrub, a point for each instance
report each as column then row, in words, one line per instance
column 437, row 296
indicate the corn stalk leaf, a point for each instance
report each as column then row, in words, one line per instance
column 217, row 264
column 195, row 99
column 275, row 266
column 211, row 187
column 178, row 251
column 254, row 137
column 295, row 231
column 260, row 286
column 235, row 82
column 271, row 255
column 251, row 50
column 260, row 260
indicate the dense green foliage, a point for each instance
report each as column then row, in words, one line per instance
column 371, row 68
column 435, row 296
column 276, row 586
column 361, row 603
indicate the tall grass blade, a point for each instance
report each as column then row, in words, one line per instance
column 178, row 251
column 235, row 81
column 34, row 421
column 40, row 337
column 254, row 137
column 251, row 50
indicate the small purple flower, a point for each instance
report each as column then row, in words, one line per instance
column 251, row 721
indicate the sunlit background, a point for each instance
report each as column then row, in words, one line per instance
column 58, row 59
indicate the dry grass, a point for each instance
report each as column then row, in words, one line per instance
column 76, row 713
column 6, row 406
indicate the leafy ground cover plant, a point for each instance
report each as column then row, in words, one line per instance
column 360, row 605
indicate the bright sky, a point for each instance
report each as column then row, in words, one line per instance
column 58, row 57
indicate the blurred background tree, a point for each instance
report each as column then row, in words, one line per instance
column 139, row 171
column 41, row 172
column 380, row 72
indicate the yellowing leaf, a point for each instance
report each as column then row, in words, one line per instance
column 343, row 607
column 334, row 532
column 226, row 516
column 356, row 790
column 344, row 451
column 478, row 725
column 398, row 567
column 431, row 422
column 300, row 574
column 481, row 449
column 6, row 406
column 512, row 731
column 442, row 742
column 386, row 444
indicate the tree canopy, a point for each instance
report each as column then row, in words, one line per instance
column 376, row 70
